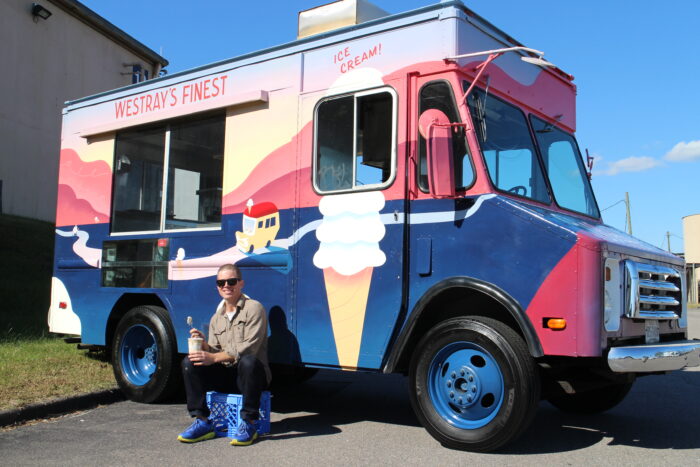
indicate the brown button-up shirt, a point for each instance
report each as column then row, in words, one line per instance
column 245, row 334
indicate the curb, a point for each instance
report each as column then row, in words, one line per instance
column 60, row 406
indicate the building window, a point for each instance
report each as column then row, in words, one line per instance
column 355, row 137
column 183, row 159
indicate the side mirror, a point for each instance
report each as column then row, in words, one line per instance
column 436, row 128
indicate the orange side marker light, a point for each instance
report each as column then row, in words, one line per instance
column 557, row 324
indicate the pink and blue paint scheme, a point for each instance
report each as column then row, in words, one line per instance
column 537, row 255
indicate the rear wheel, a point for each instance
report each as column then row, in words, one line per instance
column 144, row 355
column 474, row 385
column 593, row 401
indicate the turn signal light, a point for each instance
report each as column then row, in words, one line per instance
column 556, row 323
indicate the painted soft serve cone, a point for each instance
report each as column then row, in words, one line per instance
column 348, row 253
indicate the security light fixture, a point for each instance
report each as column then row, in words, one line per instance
column 38, row 11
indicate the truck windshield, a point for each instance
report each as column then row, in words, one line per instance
column 507, row 146
column 564, row 167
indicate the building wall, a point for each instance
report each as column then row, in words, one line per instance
column 44, row 64
column 691, row 241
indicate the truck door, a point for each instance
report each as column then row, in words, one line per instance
column 349, row 266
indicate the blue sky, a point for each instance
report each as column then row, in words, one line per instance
column 636, row 66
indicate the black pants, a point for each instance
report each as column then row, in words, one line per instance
column 247, row 378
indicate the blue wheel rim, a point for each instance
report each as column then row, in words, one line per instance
column 139, row 354
column 465, row 385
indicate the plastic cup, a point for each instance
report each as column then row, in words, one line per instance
column 195, row 344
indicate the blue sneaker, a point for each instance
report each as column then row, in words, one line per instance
column 198, row 431
column 245, row 434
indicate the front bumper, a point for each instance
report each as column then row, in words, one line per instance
column 664, row 356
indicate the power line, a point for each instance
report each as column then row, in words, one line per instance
column 614, row 204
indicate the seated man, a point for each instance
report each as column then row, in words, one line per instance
column 234, row 360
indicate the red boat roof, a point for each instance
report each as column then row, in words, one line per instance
column 260, row 209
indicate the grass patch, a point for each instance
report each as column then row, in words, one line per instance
column 40, row 369
column 36, row 366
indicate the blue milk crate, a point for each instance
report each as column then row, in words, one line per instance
column 226, row 412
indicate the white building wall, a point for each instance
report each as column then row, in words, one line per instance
column 691, row 244
column 45, row 63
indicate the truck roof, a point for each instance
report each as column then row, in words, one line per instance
column 419, row 15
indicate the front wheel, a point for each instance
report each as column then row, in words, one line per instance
column 144, row 355
column 474, row 385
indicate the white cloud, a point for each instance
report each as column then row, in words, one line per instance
column 630, row 164
column 684, row 152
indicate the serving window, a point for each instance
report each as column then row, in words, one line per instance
column 355, row 141
column 183, row 159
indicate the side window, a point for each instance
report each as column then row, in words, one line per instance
column 355, row 137
column 565, row 169
column 138, row 180
column 438, row 95
column 183, row 159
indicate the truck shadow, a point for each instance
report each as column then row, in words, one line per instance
column 332, row 399
column 659, row 413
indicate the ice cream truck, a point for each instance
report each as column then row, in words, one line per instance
column 432, row 216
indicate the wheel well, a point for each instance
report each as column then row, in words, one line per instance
column 451, row 303
column 125, row 303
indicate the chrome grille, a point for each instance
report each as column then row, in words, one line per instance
column 653, row 292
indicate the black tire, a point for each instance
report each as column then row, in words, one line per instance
column 593, row 401
column 456, row 390
column 144, row 355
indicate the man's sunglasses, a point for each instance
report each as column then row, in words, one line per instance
column 231, row 282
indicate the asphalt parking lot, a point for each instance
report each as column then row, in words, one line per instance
column 361, row 419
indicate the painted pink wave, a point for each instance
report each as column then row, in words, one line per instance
column 273, row 179
column 74, row 211
column 84, row 190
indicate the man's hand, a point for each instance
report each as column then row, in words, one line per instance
column 197, row 333
column 202, row 358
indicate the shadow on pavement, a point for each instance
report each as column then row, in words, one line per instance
column 659, row 413
column 337, row 399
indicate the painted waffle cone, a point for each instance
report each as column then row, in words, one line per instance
column 347, row 302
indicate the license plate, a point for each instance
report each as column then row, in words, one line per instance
column 651, row 331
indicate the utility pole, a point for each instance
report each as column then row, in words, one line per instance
column 668, row 240
column 629, row 215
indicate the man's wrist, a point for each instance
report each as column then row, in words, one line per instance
column 223, row 357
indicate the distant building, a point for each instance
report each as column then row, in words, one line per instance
column 691, row 241
column 53, row 51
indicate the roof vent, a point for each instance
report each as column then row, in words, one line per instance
column 336, row 15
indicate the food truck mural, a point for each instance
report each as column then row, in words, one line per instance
column 425, row 211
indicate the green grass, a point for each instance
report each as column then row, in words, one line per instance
column 40, row 369
column 36, row 366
